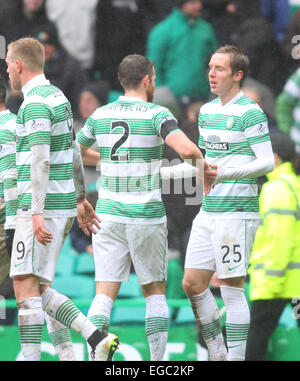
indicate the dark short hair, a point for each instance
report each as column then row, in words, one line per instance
column 133, row 69
column 238, row 59
column 2, row 91
column 283, row 146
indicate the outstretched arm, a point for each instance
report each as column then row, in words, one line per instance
column 86, row 216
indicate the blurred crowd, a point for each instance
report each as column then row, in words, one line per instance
column 85, row 41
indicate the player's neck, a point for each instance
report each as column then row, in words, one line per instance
column 27, row 77
column 228, row 96
column 139, row 93
column 2, row 107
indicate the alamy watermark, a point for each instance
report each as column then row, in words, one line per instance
column 2, row 307
column 2, row 47
column 296, row 49
column 138, row 177
column 296, row 306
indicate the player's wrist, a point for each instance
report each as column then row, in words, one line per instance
column 81, row 199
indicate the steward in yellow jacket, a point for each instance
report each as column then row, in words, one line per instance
column 275, row 259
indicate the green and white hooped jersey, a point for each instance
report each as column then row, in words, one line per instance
column 292, row 91
column 45, row 117
column 2, row 204
column 8, row 175
column 227, row 133
column 129, row 133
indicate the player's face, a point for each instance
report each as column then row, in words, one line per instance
column 221, row 79
column 151, row 88
column 13, row 73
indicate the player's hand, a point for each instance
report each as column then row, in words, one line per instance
column 41, row 233
column 210, row 175
column 87, row 218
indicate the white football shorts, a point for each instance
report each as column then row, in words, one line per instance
column 117, row 245
column 221, row 245
column 31, row 257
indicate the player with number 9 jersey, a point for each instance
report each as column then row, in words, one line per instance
column 45, row 117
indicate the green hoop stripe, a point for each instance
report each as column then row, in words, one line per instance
column 155, row 325
column 211, row 330
column 67, row 313
column 60, row 337
column 100, row 321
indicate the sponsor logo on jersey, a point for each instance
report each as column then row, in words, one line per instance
column 262, row 128
column 38, row 125
column 6, row 149
column 217, row 146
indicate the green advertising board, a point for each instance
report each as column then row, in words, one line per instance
column 183, row 344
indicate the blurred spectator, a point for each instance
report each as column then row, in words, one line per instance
column 264, row 97
column 164, row 97
column 218, row 13
column 155, row 11
column 288, row 109
column 119, row 32
column 92, row 96
column 277, row 12
column 61, row 69
column 176, row 193
column 180, row 46
column 18, row 18
column 275, row 258
column 21, row 18
column 255, row 35
column 76, row 26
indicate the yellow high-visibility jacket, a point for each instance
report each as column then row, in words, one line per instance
column 275, row 259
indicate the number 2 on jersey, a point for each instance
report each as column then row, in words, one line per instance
column 114, row 156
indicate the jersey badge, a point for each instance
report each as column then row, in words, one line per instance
column 230, row 122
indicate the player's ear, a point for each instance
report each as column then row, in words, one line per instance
column 238, row 75
column 146, row 80
column 19, row 66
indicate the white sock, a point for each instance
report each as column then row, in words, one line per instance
column 31, row 323
column 100, row 311
column 61, row 339
column 64, row 310
column 99, row 314
column 208, row 321
column 237, row 321
column 156, row 325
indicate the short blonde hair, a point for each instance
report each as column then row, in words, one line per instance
column 30, row 51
